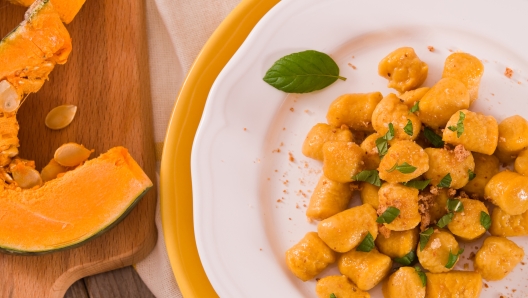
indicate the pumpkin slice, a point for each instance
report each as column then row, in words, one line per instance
column 30, row 52
column 67, row 9
column 68, row 211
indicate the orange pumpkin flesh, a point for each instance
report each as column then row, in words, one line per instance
column 67, row 9
column 71, row 209
column 29, row 53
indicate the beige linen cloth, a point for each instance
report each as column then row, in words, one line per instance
column 177, row 31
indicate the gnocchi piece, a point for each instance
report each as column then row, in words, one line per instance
column 345, row 230
column 505, row 157
column 441, row 101
column 505, row 225
column 497, row 257
column 467, row 69
column 435, row 254
column 513, row 135
column 466, row 224
column 404, row 70
column 456, row 163
column 399, row 243
column 329, row 198
column 405, row 282
column 521, row 163
column 460, row 284
column 486, row 166
column 369, row 194
column 342, row 160
column 509, row 191
column 438, row 206
column 309, row 257
column 372, row 159
column 365, row 269
column 320, row 134
column 405, row 199
column 399, row 153
column 353, row 110
column 340, row 286
column 410, row 97
column 481, row 133
column 392, row 110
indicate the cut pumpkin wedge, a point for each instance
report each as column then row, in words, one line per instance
column 30, row 52
column 68, row 211
column 67, row 9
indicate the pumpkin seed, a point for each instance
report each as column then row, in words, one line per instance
column 5, row 176
column 60, row 117
column 9, row 97
column 51, row 170
column 71, row 154
column 26, row 177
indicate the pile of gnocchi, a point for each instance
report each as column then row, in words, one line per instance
column 428, row 171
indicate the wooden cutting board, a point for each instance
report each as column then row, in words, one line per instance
column 107, row 77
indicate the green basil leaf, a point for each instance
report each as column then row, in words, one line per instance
column 453, row 258
column 333, row 295
column 472, row 175
column 433, row 138
column 406, row 259
column 303, row 72
column 485, row 220
column 382, row 143
column 418, row 184
column 422, row 275
column 459, row 128
column 404, row 168
column 454, row 205
column 367, row 244
column 446, row 181
column 389, row 215
column 371, row 177
column 415, row 107
column 444, row 220
column 390, row 134
column 424, row 237
column 408, row 128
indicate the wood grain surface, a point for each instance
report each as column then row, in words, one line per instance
column 107, row 77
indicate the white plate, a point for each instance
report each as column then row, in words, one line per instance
column 241, row 230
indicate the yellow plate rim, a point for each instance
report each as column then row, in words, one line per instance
column 175, row 173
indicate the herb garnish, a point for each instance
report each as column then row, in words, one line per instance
column 433, row 138
column 389, row 215
column 446, row 181
column 408, row 128
column 371, row 177
column 404, row 168
column 424, row 237
column 422, row 275
column 382, row 143
column 453, row 258
column 418, row 184
column 303, row 72
column 415, row 107
column 406, row 259
column 459, row 128
column 485, row 220
column 471, row 174
column 367, row 244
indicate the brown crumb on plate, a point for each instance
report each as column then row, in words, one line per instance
column 431, row 48
column 352, row 65
column 508, row 72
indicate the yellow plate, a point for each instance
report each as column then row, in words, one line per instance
column 175, row 179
